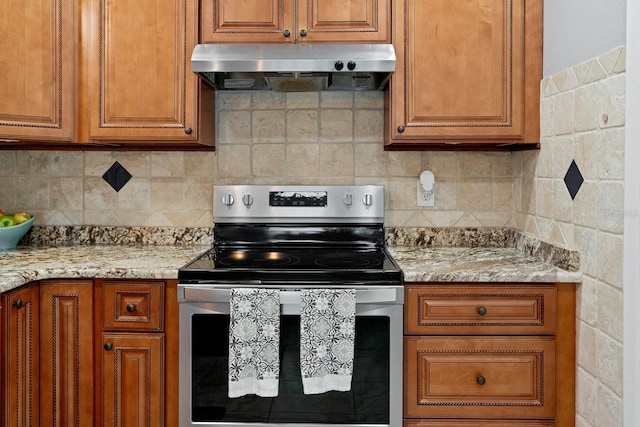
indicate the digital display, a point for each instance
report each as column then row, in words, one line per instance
column 298, row 198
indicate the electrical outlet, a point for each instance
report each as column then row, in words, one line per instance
column 426, row 198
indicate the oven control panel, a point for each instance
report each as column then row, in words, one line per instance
column 298, row 203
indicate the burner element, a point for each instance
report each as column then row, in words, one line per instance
column 347, row 260
column 252, row 259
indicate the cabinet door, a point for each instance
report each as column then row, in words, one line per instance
column 296, row 21
column 247, row 21
column 36, row 65
column 141, row 84
column 344, row 21
column 133, row 380
column 66, row 359
column 20, row 346
column 466, row 72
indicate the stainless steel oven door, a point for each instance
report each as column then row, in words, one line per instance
column 374, row 401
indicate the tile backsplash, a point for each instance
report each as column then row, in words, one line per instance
column 263, row 138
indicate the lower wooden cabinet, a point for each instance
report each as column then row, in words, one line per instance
column 131, row 370
column 66, row 353
column 133, row 379
column 497, row 377
column 489, row 354
column 89, row 353
column 20, row 346
column 478, row 423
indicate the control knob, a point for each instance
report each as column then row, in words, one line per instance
column 227, row 199
column 367, row 199
column 351, row 65
column 247, row 199
column 348, row 199
column 339, row 65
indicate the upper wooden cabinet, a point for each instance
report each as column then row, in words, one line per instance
column 296, row 21
column 36, row 64
column 141, row 85
column 467, row 74
column 109, row 73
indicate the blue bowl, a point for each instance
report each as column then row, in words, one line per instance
column 10, row 236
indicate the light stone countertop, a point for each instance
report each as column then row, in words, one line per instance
column 419, row 264
column 30, row 263
column 425, row 254
column 477, row 264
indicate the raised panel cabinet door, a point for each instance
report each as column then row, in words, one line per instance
column 66, row 356
column 247, row 21
column 141, row 87
column 366, row 21
column 36, row 65
column 133, row 380
column 466, row 72
column 20, row 345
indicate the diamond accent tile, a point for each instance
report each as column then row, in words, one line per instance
column 573, row 179
column 117, row 176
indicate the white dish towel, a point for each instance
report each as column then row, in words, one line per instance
column 254, row 339
column 327, row 335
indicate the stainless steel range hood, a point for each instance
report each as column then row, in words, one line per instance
column 294, row 67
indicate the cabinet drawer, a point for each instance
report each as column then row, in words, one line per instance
column 468, row 377
column 509, row 309
column 133, row 306
column 479, row 423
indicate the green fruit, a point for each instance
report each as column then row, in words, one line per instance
column 7, row 221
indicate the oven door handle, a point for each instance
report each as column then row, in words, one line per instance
column 217, row 294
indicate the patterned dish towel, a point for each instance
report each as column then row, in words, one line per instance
column 254, row 340
column 327, row 334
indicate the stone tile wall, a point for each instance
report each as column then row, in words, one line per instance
column 582, row 120
column 263, row 137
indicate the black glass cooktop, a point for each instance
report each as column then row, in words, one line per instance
column 294, row 264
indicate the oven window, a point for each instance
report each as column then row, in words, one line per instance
column 366, row 403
